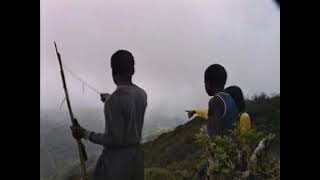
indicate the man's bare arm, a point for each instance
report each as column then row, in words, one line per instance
column 215, row 115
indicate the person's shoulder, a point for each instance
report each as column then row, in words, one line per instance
column 119, row 92
column 140, row 90
column 216, row 104
column 138, row 87
column 118, row 96
column 215, row 100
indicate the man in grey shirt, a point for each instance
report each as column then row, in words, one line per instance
column 122, row 157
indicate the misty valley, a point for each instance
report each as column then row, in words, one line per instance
column 58, row 151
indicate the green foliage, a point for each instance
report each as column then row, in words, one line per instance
column 158, row 174
column 266, row 116
column 183, row 170
column 268, row 168
column 229, row 156
column 224, row 153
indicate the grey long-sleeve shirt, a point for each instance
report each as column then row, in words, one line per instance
column 124, row 116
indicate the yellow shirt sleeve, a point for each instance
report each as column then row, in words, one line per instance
column 203, row 113
column 245, row 122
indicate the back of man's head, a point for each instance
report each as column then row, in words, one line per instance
column 237, row 95
column 216, row 75
column 122, row 63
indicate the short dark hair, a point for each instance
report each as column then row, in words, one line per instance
column 236, row 93
column 122, row 63
column 217, row 75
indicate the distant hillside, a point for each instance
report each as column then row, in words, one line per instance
column 175, row 154
column 156, row 132
column 176, row 150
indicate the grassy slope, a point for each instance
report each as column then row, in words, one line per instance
column 175, row 152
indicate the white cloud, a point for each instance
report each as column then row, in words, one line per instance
column 173, row 42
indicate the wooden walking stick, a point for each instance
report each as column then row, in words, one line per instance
column 81, row 148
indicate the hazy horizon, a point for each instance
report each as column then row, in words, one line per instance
column 172, row 41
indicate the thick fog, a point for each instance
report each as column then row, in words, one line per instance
column 173, row 41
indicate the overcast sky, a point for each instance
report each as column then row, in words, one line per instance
column 173, row 41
